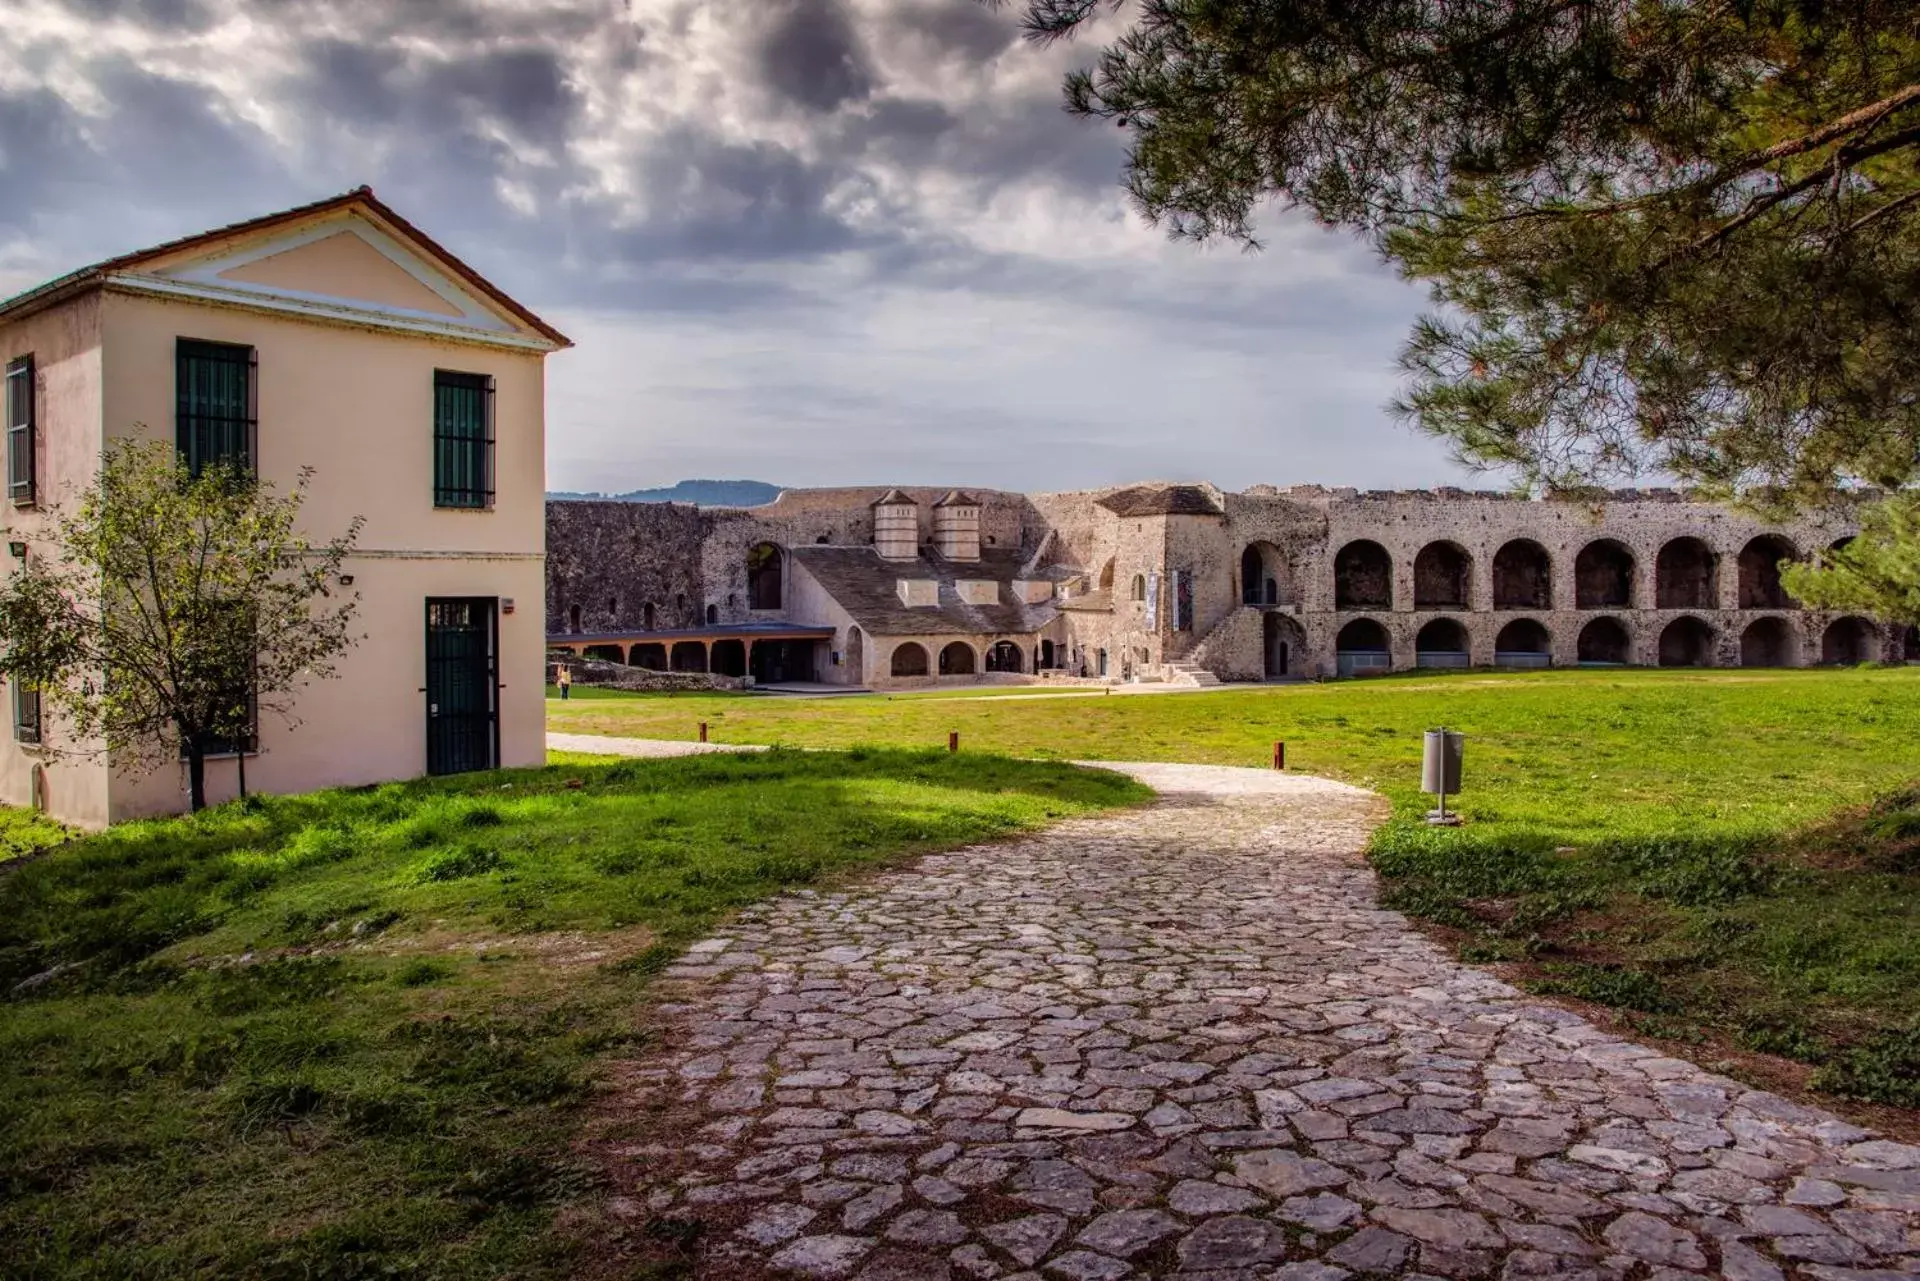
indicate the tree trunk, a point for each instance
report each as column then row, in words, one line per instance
column 196, row 773
column 241, row 760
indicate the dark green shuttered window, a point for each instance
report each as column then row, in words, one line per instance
column 462, row 440
column 19, row 395
column 214, row 413
column 26, row 713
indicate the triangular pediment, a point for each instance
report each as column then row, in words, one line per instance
column 343, row 265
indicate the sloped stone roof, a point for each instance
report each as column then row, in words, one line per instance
column 958, row 498
column 864, row 585
column 892, row 498
column 1161, row 500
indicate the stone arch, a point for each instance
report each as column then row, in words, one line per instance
column 958, row 659
column 1362, row 576
column 1266, row 578
column 730, row 657
column 1522, row 576
column 856, row 653
column 1760, row 585
column 1686, row 642
column 766, row 574
column 1442, row 577
column 909, row 659
column 1004, row 656
column 1767, row 642
column 1139, row 587
column 1361, row 647
column 1603, row 575
column 652, row 657
column 1525, row 642
column 1686, row 575
column 1442, row 643
column 713, row 616
column 573, row 619
column 1848, row 641
column 689, row 656
column 1605, row 641
column 1282, row 645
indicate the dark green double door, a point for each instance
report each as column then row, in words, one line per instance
column 463, row 666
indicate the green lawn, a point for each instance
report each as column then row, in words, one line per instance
column 1669, row 843
column 351, row 1034
column 25, row 832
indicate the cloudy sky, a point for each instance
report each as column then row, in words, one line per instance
column 804, row 241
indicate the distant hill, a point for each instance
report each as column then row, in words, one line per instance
column 708, row 493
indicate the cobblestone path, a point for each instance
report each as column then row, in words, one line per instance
column 1185, row 1041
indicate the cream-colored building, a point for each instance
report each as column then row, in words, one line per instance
column 339, row 337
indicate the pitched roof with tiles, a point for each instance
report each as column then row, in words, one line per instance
column 866, row 586
column 76, row 282
column 1161, row 500
column 894, row 498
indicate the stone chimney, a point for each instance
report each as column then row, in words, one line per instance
column 896, row 526
column 956, row 526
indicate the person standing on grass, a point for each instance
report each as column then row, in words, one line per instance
column 564, row 679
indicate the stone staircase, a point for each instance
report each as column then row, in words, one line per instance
column 1190, row 674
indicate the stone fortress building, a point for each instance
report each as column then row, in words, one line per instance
column 1185, row 583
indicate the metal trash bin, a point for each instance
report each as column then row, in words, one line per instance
column 1440, row 771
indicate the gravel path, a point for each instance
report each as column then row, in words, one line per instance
column 1186, row 1041
column 649, row 748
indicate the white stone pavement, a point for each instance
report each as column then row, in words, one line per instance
column 1186, row 1041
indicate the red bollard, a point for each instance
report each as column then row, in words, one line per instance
column 1279, row 755
column 703, row 731
column 953, row 740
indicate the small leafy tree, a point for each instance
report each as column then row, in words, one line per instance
column 170, row 609
column 1877, row 572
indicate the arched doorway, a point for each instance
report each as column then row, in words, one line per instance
column 1760, row 585
column 1525, row 642
column 764, row 574
column 1362, row 647
column 1442, row 577
column 1603, row 576
column 1850, row 641
column 1522, row 576
column 1265, row 576
column 1282, row 646
column 1363, row 576
column 646, row 614
column 855, row 656
column 1686, row 576
column 1687, row 642
column 1768, row 642
column 957, row 659
column 1441, row 643
column 909, row 659
column 1604, row 643
column 1004, row 656
column 1046, row 655
column 730, row 658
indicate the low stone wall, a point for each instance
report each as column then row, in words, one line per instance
column 604, row 675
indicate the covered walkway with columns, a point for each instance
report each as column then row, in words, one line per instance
column 768, row 652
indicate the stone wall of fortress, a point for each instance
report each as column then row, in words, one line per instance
column 1620, row 581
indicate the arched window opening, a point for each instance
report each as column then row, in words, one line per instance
column 1760, row 585
column 1522, row 576
column 1603, row 576
column 765, row 566
column 1686, row 642
column 1106, row 575
column 1850, row 641
column 1362, row 648
column 1363, row 577
column 909, row 660
column 1524, row 642
column 1686, row 576
column 1605, row 643
column 957, row 659
column 1139, row 587
column 1441, row 643
column 1768, row 642
column 1266, row 576
column 713, row 615
column 573, row 619
column 1442, row 577
column 1283, row 644
column 647, row 615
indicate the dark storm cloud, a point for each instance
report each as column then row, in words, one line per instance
column 162, row 15
column 809, row 53
column 525, row 90
column 963, row 30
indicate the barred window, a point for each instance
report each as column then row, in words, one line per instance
column 20, row 441
column 462, row 440
column 214, row 410
column 26, row 713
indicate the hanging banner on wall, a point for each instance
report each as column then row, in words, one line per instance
column 1153, row 601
